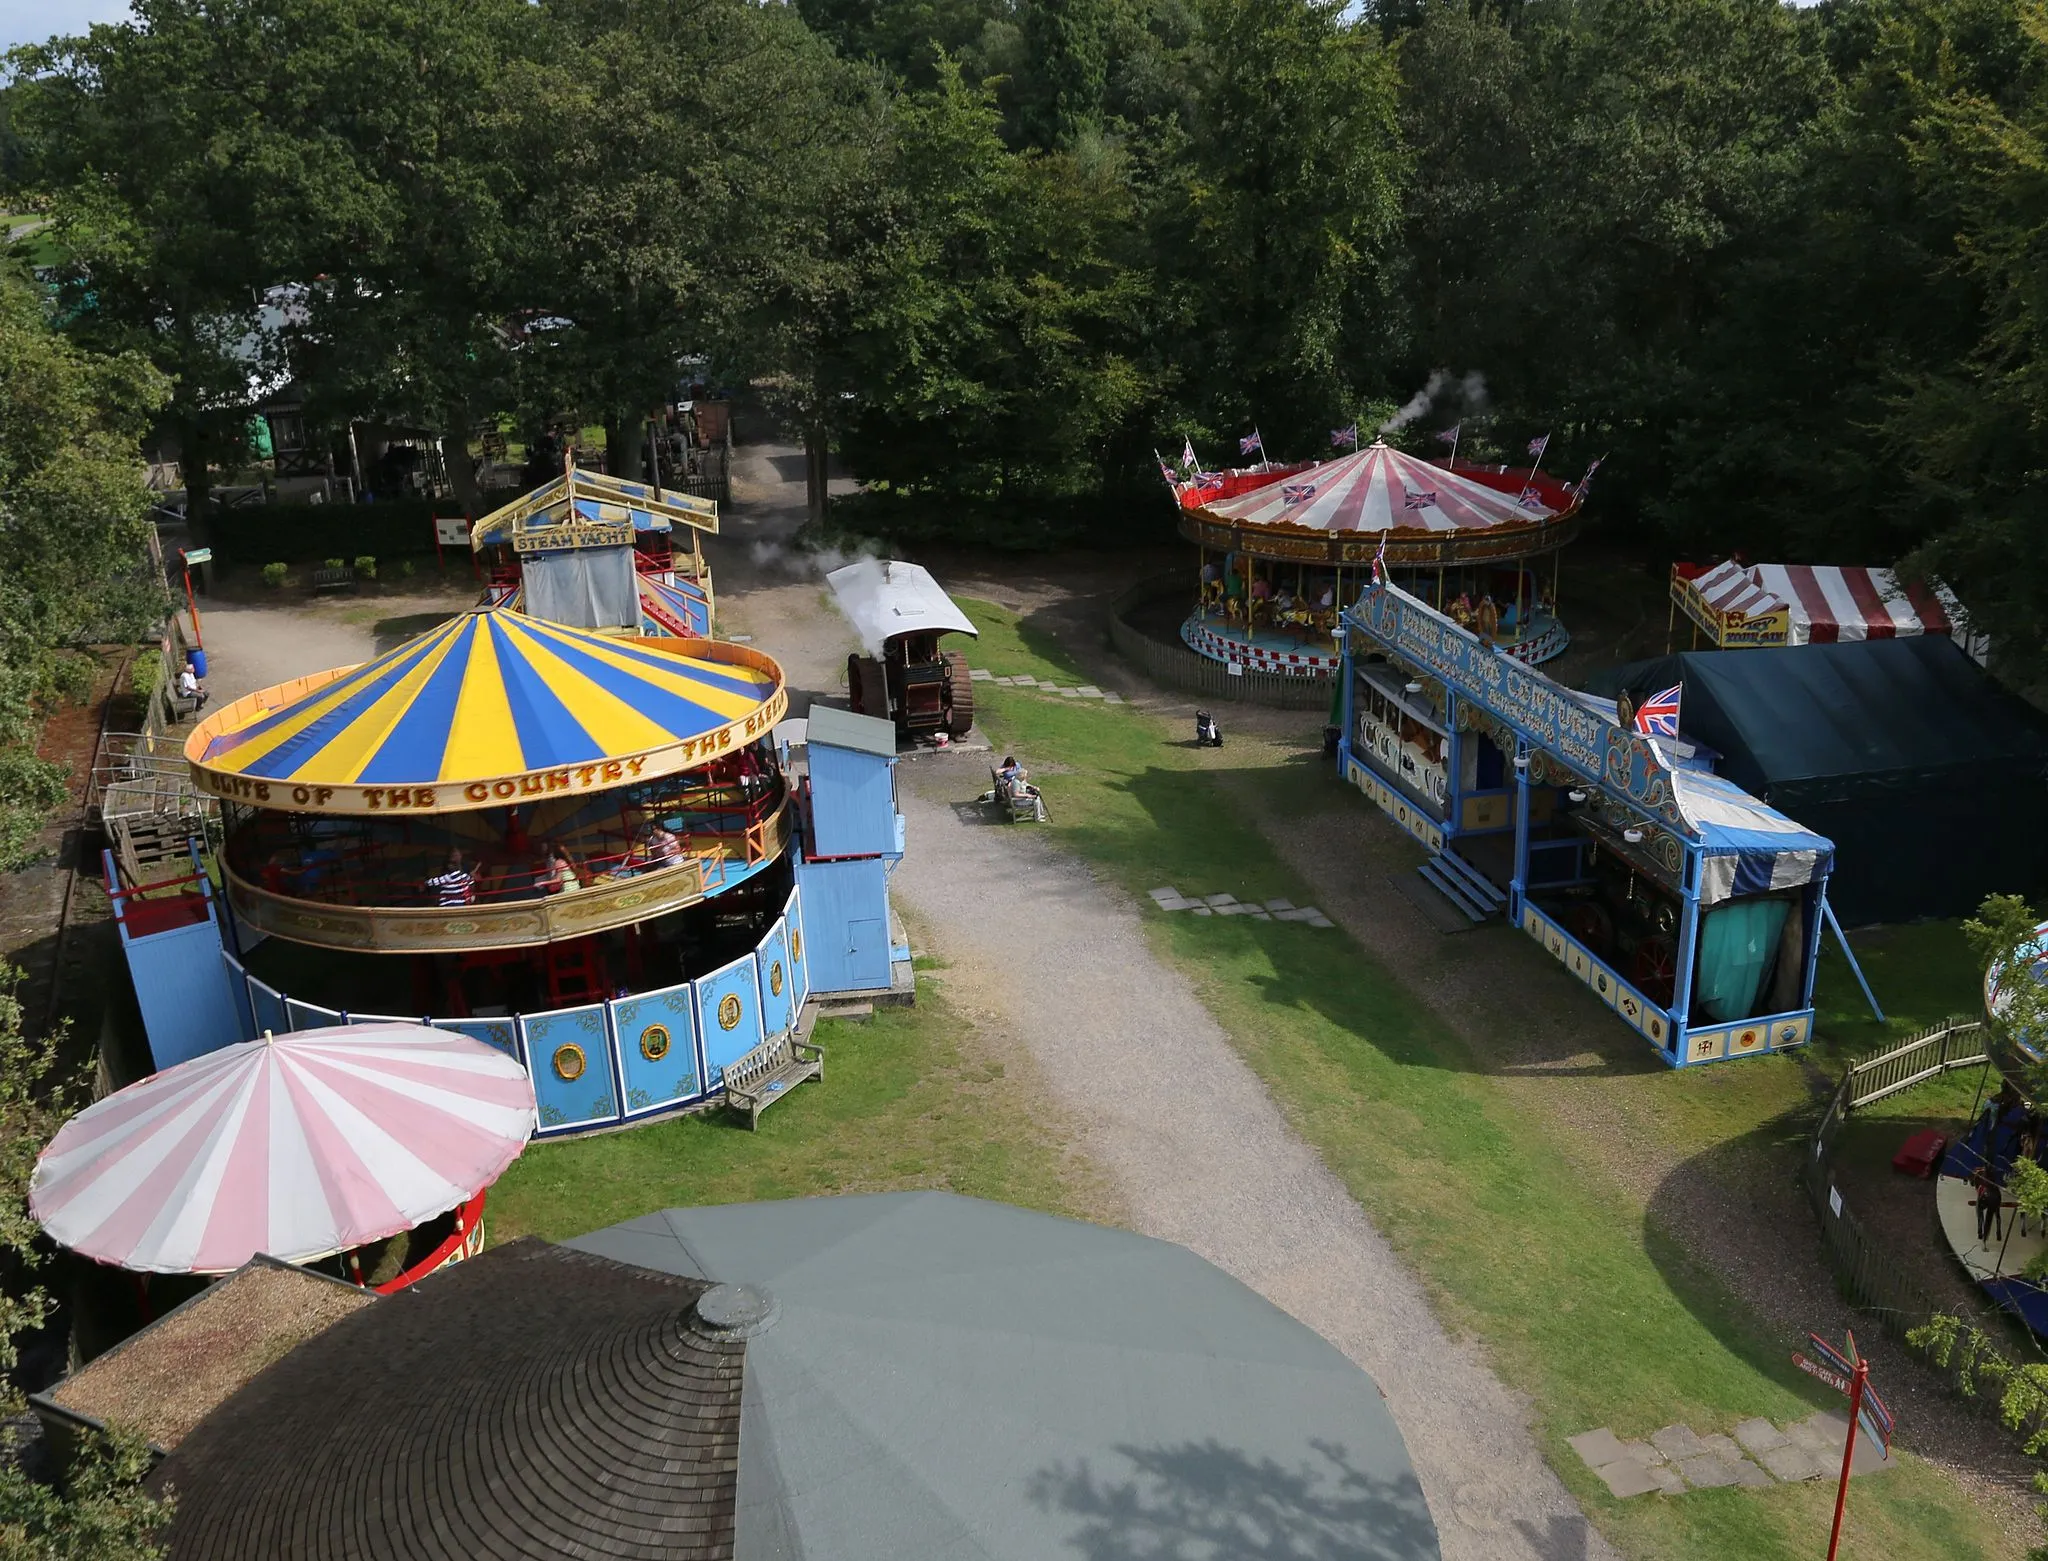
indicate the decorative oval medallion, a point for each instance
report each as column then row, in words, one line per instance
column 654, row 1042
column 460, row 929
column 729, row 1011
column 775, row 978
column 796, row 944
column 569, row 1061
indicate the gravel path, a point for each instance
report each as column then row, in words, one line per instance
column 1199, row 1154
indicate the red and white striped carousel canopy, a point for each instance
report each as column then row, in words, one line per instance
column 1381, row 489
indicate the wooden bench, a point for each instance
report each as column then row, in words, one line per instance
column 343, row 579
column 1018, row 798
column 769, row 1072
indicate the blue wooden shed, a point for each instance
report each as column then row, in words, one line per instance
column 851, row 837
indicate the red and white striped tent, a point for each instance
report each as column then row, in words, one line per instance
column 1814, row 604
column 1380, row 489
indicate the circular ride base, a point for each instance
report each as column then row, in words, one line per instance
column 1293, row 652
column 1288, row 652
column 1997, row 1265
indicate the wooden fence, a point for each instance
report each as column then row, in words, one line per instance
column 1175, row 666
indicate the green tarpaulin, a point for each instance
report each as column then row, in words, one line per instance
column 1928, row 776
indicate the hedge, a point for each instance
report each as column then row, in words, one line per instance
column 253, row 535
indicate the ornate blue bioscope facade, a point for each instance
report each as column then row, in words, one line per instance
column 1691, row 909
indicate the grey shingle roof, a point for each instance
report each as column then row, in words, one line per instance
column 532, row 1401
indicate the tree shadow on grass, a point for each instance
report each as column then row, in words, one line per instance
column 1202, row 1499
column 1370, row 997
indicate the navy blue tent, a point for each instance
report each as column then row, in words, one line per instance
column 1928, row 776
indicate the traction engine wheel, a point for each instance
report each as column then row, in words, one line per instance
column 867, row 691
column 959, row 694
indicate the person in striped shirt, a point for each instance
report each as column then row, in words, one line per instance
column 453, row 885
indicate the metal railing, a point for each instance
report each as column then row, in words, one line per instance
column 1177, row 667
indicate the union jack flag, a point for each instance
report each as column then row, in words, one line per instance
column 1249, row 443
column 1579, row 488
column 1297, row 492
column 1340, row 437
column 1167, row 472
column 1208, row 479
column 1450, row 435
column 1187, row 455
column 1529, row 498
column 1413, row 500
column 1657, row 716
column 1538, row 446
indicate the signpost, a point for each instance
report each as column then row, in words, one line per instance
column 1848, row 1372
column 189, row 557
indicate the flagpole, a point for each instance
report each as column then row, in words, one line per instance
column 1457, row 432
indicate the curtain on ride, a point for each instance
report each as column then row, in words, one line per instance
column 590, row 588
column 1738, row 946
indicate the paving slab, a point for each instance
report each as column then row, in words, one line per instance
column 1112, row 699
column 1747, row 1473
column 980, row 674
column 1597, row 1447
column 1627, row 1478
column 1279, row 905
column 1006, row 682
column 1165, row 892
column 1668, row 1479
column 1707, row 1471
column 1290, row 915
column 1219, row 899
column 1203, row 910
column 1677, row 1441
column 1024, row 680
column 1760, row 1436
column 1256, row 912
column 1644, row 1454
column 1089, row 691
column 1715, row 1442
column 1318, row 919
column 1233, row 909
column 1790, row 1462
column 1176, row 904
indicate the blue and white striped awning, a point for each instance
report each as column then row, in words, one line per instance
column 1747, row 846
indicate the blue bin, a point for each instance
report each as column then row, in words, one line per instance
column 198, row 660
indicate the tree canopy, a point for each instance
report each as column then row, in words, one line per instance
column 1781, row 263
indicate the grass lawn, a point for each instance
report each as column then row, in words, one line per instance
column 903, row 1104
column 1581, row 1302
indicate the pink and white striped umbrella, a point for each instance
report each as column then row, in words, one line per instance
column 296, row 1145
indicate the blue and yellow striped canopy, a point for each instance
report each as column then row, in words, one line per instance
column 490, row 707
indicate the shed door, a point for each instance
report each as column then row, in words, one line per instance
column 867, row 953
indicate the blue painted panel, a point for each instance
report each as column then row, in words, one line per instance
column 569, row 1059
column 729, row 1015
column 500, row 1034
column 269, row 1008
column 853, row 803
column 846, row 924
column 799, row 966
column 310, row 1016
column 778, row 1004
column 185, row 992
column 657, row 1048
